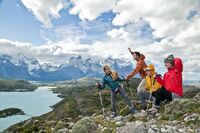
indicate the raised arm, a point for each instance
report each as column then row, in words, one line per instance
column 129, row 49
column 178, row 65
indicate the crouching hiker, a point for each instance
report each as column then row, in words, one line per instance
column 172, row 79
column 112, row 79
column 158, row 92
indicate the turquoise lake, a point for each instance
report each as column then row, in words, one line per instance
column 33, row 103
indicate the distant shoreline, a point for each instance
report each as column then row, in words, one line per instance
column 10, row 112
column 16, row 86
column 14, row 112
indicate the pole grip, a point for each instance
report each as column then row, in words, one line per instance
column 127, row 83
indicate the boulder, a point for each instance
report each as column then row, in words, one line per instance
column 181, row 107
column 133, row 127
column 85, row 125
column 192, row 118
column 190, row 91
column 118, row 118
column 64, row 130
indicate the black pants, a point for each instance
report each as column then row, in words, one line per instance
column 162, row 95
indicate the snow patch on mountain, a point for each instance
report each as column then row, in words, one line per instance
column 23, row 67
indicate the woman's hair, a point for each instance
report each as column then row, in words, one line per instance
column 106, row 67
column 113, row 74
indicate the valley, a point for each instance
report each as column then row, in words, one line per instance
column 80, row 111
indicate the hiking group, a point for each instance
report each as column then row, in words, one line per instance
column 153, row 86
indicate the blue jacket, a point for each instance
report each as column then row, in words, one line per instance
column 107, row 80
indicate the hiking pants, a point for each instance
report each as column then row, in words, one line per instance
column 123, row 93
column 143, row 97
column 161, row 95
column 175, row 96
column 141, row 86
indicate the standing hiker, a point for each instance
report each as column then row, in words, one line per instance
column 172, row 79
column 155, row 88
column 140, row 66
column 112, row 79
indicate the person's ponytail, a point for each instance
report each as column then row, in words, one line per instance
column 113, row 74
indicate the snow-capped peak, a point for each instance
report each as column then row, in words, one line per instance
column 30, row 68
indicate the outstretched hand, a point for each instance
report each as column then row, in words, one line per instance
column 97, row 84
column 158, row 75
column 129, row 49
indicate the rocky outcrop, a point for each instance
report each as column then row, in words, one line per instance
column 132, row 127
column 85, row 125
column 179, row 116
column 190, row 91
column 179, row 108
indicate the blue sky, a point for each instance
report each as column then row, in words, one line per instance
column 53, row 30
column 18, row 24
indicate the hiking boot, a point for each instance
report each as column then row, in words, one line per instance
column 133, row 111
column 113, row 115
column 144, row 107
column 153, row 110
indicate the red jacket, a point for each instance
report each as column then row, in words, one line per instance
column 172, row 80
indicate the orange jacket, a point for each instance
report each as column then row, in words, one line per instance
column 139, row 68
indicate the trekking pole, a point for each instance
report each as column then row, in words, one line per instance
column 101, row 102
column 149, row 101
column 150, row 96
column 130, row 88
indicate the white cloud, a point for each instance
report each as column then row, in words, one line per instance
column 169, row 20
column 45, row 53
column 90, row 9
column 45, row 10
column 164, row 18
column 137, row 34
column 118, row 33
column 167, row 17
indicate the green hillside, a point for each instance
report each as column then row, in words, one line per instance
column 80, row 99
column 16, row 85
column 80, row 112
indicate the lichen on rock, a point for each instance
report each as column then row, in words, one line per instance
column 85, row 125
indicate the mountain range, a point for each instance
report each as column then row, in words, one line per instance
column 22, row 67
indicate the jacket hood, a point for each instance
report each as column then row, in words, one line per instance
column 142, row 57
column 151, row 68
